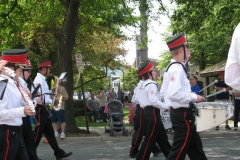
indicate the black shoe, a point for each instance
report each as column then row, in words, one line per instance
column 227, row 127
column 132, row 155
column 65, row 155
column 157, row 153
column 217, row 128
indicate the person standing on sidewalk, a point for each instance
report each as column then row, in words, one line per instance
column 102, row 101
column 177, row 94
column 45, row 127
column 148, row 98
column 224, row 96
column 194, row 86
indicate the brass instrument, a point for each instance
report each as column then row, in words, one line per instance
column 56, row 107
column 62, row 78
column 10, row 73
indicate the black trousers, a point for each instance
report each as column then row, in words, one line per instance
column 139, row 128
column 236, row 111
column 154, row 132
column 11, row 143
column 29, row 139
column 45, row 127
column 186, row 140
column 103, row 115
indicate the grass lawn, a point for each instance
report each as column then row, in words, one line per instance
column 81, row 122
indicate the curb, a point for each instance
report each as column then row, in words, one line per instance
column 107, row 137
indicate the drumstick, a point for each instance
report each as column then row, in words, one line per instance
column 208, row 85
column 221, row 91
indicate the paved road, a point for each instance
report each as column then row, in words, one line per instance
column 216, row 148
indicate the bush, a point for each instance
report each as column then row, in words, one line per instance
column 78, row 107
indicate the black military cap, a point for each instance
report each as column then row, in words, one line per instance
column 17, row 56
column 145, row 67
column 176, row 41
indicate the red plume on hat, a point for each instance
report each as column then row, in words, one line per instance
column 27, row 64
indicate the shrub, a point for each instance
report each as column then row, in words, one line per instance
column 78, row 107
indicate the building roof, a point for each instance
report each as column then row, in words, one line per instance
column 212, row 71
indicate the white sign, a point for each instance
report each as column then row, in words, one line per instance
column 79, row 61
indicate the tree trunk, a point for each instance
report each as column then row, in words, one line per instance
column 65, row 44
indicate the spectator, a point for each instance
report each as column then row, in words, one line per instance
column 87, row 94
column 222, row 97
column 113, row 95
column 93, row 105
column 79, row 96
column 194, row 86
column 102, row 101
column 108, row 94
column 126, row 95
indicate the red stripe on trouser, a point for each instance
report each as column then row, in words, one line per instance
column 139, row 129
column 186, row 138
column 8, row 145
column 39, row 110
column 154, row 116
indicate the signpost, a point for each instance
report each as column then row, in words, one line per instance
column 80, row 68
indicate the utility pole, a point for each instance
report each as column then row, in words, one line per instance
column 142, row 39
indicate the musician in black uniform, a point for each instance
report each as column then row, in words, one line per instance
column 42, row 115
column 177, row 94
column 139, row 124
column 150, row 103
column 12, row 109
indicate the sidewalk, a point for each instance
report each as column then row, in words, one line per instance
column 222, row 132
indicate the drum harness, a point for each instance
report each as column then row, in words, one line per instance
column 192, row 106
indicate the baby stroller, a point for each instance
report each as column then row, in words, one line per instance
column 115, row 114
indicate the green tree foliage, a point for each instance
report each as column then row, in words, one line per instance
column 129, row 79
column 58, row 29
column 209, row 26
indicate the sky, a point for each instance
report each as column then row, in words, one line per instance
column 156, row 43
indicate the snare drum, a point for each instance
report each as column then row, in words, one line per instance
column 166, row 120
column 212, row 114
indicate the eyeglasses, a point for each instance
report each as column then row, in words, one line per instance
column 29, row 71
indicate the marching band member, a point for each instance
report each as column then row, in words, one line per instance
column 59, row 116
column 45, row 127
column 149, row 100
column 139, row 124
column 11, row 110
column 232, row 76
column 23, row 74
column 2, row 64
column 177, row 94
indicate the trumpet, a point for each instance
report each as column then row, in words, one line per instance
column 10, row 73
